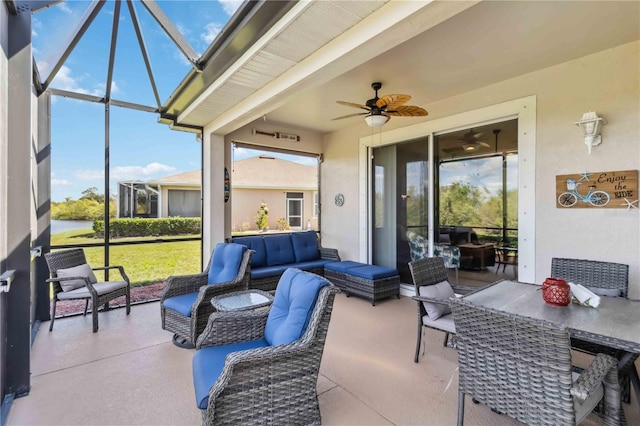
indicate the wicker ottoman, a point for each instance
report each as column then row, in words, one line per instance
column 372, row 282
column 336, row 272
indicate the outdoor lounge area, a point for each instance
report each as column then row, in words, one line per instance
column 130, row 373
column 516, row 121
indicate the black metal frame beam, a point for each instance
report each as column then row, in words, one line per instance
column 85, row 22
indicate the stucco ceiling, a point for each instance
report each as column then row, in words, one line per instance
column 488, row 42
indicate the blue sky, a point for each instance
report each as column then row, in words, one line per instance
column 140, row 147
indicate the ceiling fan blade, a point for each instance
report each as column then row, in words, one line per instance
column 392, row 101
column 407, row 111
column 350, row 115
column 486, row 145
column 352, row 104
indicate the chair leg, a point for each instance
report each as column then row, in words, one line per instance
column 415, row 358
column 94, row 315
column 457, row 276
column 86, row 306
column 460, row 408
column 635, row 381
column 53, row 314
column 128, row 301
column 446, row 339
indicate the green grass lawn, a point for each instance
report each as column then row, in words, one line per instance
column 143, row 263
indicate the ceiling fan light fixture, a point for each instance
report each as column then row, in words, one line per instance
column 376, row 120
column 470, row 146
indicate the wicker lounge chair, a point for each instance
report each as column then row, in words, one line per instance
column 521, row 367
column 73, row 279
column 605, row 279
column 252, row 367
column 430, row 272
column 185, row 304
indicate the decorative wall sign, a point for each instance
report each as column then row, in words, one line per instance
column 339, row 200
column 610, row 190
column 227, row 185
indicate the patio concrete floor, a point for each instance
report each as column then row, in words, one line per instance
column 129, row 373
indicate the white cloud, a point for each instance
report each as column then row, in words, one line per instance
column 89, row 174
column 65, row 8
column 100, row 88
column 230, row 6
column 122, row 173
column 149, row 171
column 60, row 182
column 66, row 81
column 211, row 31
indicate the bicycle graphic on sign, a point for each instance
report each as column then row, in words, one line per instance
column 596, row 198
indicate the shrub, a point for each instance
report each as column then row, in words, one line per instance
column 283, row 224
column 141, row 227
column 262, row 218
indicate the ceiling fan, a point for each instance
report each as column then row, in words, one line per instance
column 470, row 141
column 380, row 109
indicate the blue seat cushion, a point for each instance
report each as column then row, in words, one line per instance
column 225, row 263
column 208, row 363
column 295, row 298
column 310, row 264
column 372, row 272
column 181, row 304
column 305, row 246
column 342, row 266
column 259, row 258
column 279, row 250
column 268, row 271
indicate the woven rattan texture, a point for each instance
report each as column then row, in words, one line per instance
column 521, row 367
column 272, row 385
column 607, row 275
column 270, row 283
column 190, row 327
column 69, row 258
column 373, row 290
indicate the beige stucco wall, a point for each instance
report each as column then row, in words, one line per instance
column 608, row 83
column 245, row 204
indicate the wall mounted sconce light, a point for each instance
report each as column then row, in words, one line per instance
column 591, row 125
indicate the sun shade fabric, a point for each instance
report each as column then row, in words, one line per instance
column 441, row 291
column 293, row 304
column 279, row 250
column 305, row 246
column 207, row 364
column 83, row 270
column 225, row 262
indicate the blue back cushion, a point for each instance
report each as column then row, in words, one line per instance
column 259, row 258
column 225, row 263
column 279, row 250
column 305, row 246
column 292, row 306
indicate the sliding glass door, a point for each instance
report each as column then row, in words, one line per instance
column 400, row 201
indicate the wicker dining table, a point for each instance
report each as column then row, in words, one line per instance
column 614, row 323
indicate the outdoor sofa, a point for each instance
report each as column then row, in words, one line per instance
column 273, row 254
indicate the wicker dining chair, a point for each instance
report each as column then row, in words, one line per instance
column 185, row 303
column 261, row 366
column 605, row 279
column 73, row 279
column 432, row 296
column 521, row 367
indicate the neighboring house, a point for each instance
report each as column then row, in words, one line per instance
column 289, row 189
